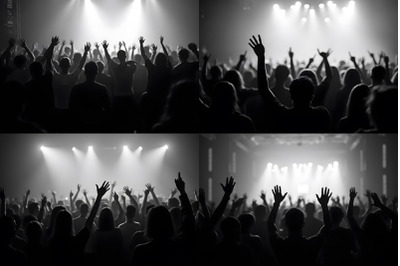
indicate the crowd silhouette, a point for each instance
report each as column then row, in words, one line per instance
column 61, row 89
column 132, row 229
column 299, row 97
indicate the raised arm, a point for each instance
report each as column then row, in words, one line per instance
column 385, row 209
column 49, row 53
column 235, row 205
column 278, row 198
column 128, row 192
column 105, row 47
column 71, row 56
column 54, row 197
column 142, row 51
column 193, row 47
column 292, row 68
column 83, row 59
column 353, row 59
column 387, row 72
column 350, row 217
column 25, row 203
column 120, row 209
column 144, row 204
column 242, row 59
column 310, row 61
column 328, row 71
column 22, row 43
column 153, row 52
column 165, row 51
column 219, row 211
column 133, row 52
column 86, row 198
column 61, row 50
column 373, row 57
column 323, row 201
column 100, row 193
column 202, row 201
column 151, row 190
column 264, row 199
column 42, row 207
column 112, row 191
column 186, row 227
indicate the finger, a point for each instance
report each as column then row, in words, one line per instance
column 285, row 195
column 252, row 42
column 259, row 38
column 252, row 46
column 255, row 40
column 245, row 52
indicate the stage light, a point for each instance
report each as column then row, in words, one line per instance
column 73, row 149
column 327, row 20
column 330, row 3
column 352, row 4
column 140, row 148
column 312, row 11
column 306, row 6
column 292, row 7
column 125, row 147
column 335, row 164
column 276, row 7
column 42, row 148
column 321, row 6
column 298, row 3
column 90, row 147
column 304, row 20
column 269, row 165
column 165, row 147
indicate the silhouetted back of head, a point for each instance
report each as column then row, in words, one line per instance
column 106, row 219
column 301, row 91
column 161, row 60
column 216, row 72
column 310, row 209
column 7, row 229
column 336, row 214
column 294, row 220
column 309, row 74
column 33, row 208
column 224, row 98
column 351, row 78
column 159, row 224
column 130, row 211
column 63, row 227
column 183, row 55
column 36, row 69
column 383, row 109
column 91, row 70
column 233, row 76
column 230, row 228
column 20, row 61
column 246, row 221
column 378, row 73
column 84, row 209
column 357, row 103
column 374, row 226
column 100, row 67
column 282, row 73
column 260, row 211
column 65, row 64
column 121, row 56
column 34, row 231
column 173, row 202
column 138, row 58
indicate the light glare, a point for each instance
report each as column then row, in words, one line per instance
column 321, row 5
column 304, row 20
column 306, row 6
column 327, row 20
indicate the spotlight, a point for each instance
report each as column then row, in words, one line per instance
column 321, row 6
column 140, row 148
column 125, row 147
column 304, row 20
column 327, row 20
column 352, row 3
column 330, row 3
column 269, row 165
column 276, row 7
column 73, row 149
column 306, row 6
column 42, row 148
column 166, row 147
column 312, row 11
column 298, row 3
column 90, row 148
column 292, row 7
column 335, row 164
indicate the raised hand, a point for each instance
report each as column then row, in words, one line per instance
column 123, row 198
column 153, row 48
column 291, row 54
column 352, row 58
column 386, row 59
column 311, row 60
column 206, row 57
column 85, row 192
column 262, row 195
column 133, row 46
column 202, row 195
column 55, row 40
column 28, row 192
column 229, row 186
column 78, row 187
column 324, row 54
column 257, row 46
column 173, row 192
column 96, row 45
column 87, row 47
column 113, row 184
column 105, row 45
column 11, row 43
column 141, row 40
column 48, row 204
column 367, row 193
column 371, row 54
column 103, row 189
column 180, row 185
column 44, row 200
column 71, row 42
column 22, row 43
column 377, row 202
column 325, row 196
column 161, row 39
column 63, row 42
column 127, row 191
column 53, row 193
column 384, row 199
column 149, row 187
column 237, row 203
column 116, row 197
column 277, row 192
column 192, row 46
column 71, row 194
column 243, row 56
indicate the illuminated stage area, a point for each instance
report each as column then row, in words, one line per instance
column 342, row 25
column 301, row 164
column 43, row 163
column 117, row 20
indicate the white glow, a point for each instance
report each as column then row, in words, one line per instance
column 90, row 148
column 292, row 7
column 276, row 7
column 73, row 149
column 352, row 3
column 321, row 6
column 345, row 9
column 330, row 3
column 327, row 20
column 298, row 3
column 282, row 11
column 42, row 148
column 312, row 11
column 269, row 165
column 140, row 148
column 306, row 6
column 335, row 164
column 165, row 147
column 303, row 20
column 125, row 147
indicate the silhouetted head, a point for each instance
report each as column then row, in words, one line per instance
column 161, row 60
column 301, row 91
column 78, row 203
column 378, row 73
column 260, row 211
column 176, row 217
column 216, row 73
column 233, row 76
column 383, row 109
column 351, row 78
column 336, row 215
column 34, row 232
column 310, row 209
column 27, row 219
column 65, row 64
column 100, row 67
column 224, row 98
column 63, row 227
column 357, row 103
column 7, row 230
column 84, row 209
column 91, row 70
column 374, row 226
column 159, row 224
column 121, row 56
column 33, row 208
column 247, row 220
column 36, row 69
column 281, row 73
column 230, row 228
column 106, row 219
column 130, row 211
column 248, row 78
column 183, row 55
column 20, row 61
column 294, row 220
column 138, row 59
column 173, row 202
column 67, row 50
column 77, row 58
column 182, row 99
column 309, row 74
